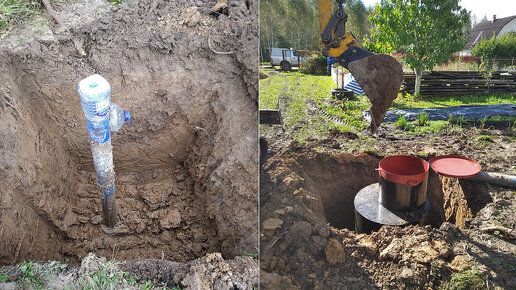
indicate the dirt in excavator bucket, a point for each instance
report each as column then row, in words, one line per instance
column 380, row 76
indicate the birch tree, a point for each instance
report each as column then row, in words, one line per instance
column 427, row 32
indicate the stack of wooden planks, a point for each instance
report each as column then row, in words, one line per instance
column 454, row 83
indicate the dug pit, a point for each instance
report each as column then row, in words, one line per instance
column 186, row 178
column 327, row 183
column 307, row 221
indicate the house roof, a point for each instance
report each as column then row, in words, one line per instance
column 486, row 30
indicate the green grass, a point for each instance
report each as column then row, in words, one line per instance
column 436, row 127
column 131, row 280
column 20, row 13
column 409, row 101
column 35, row 275
column 147, row 285
column 31, row 276
column 402, row 123
column 3, row 276
column 94, row 274
column 107, row 277
column 430, row 127
column 301, row 96
column 252, row 255
column 371, row 151
column 15, row 12
column 451, row 126
column 485, row 138
column 422, row 119
column 270, row 90
column 501, row 118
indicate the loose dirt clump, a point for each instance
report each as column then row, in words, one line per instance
column 310, row 189
column 185, row 169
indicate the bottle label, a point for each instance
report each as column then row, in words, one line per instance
column 99, row 132
column 102, row 108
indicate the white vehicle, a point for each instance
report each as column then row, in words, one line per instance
column 286, row 58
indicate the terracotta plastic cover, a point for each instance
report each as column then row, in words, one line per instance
column 454, row 166
column 404, row 169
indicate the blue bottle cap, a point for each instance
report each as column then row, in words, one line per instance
column 127, row 118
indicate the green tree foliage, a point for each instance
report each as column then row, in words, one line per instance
column 295, row 24
column 315, row 65
column 501, row 47
column 289, row 24
column 427, row 32
column 358, row 21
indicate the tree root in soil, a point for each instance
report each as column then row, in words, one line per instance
column 505, row 232
column 54, row 14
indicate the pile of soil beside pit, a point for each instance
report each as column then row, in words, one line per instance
column 208, row 272
column 303, row 249
column 186, row 177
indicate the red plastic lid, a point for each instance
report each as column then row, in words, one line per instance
column 455, row 166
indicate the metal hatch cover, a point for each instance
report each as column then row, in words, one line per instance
column 368, row 205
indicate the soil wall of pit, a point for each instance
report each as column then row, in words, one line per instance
column 186, row 170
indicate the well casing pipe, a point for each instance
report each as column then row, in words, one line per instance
column 95, row 94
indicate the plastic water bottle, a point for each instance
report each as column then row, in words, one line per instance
column 117, row 117
column 95, row 94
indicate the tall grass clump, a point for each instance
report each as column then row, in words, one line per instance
column 402, row 123
column 422, row 119
column 14, row 12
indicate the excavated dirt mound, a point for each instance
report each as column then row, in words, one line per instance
column 308, row 239
column 208, row 272
column 186, row 169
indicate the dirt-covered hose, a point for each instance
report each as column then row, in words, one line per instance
column 495, row 178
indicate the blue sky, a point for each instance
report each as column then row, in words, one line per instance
column 479, row 8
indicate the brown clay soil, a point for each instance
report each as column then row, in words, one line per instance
column 307, row 216
column 186, row 170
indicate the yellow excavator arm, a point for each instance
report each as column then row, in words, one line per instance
column 345, row 40
column 379, row 75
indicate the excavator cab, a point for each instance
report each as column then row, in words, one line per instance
column 379, row 75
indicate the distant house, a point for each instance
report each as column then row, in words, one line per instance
column 486, row 30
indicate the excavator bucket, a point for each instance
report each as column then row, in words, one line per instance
column 380, row 76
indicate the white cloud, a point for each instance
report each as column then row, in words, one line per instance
column 500, row 8
column 479, row 8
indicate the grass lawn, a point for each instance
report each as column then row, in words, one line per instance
column 408, row 101
column 302, row 98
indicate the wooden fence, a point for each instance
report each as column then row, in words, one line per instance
column 454, row 83
column 505, row 61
